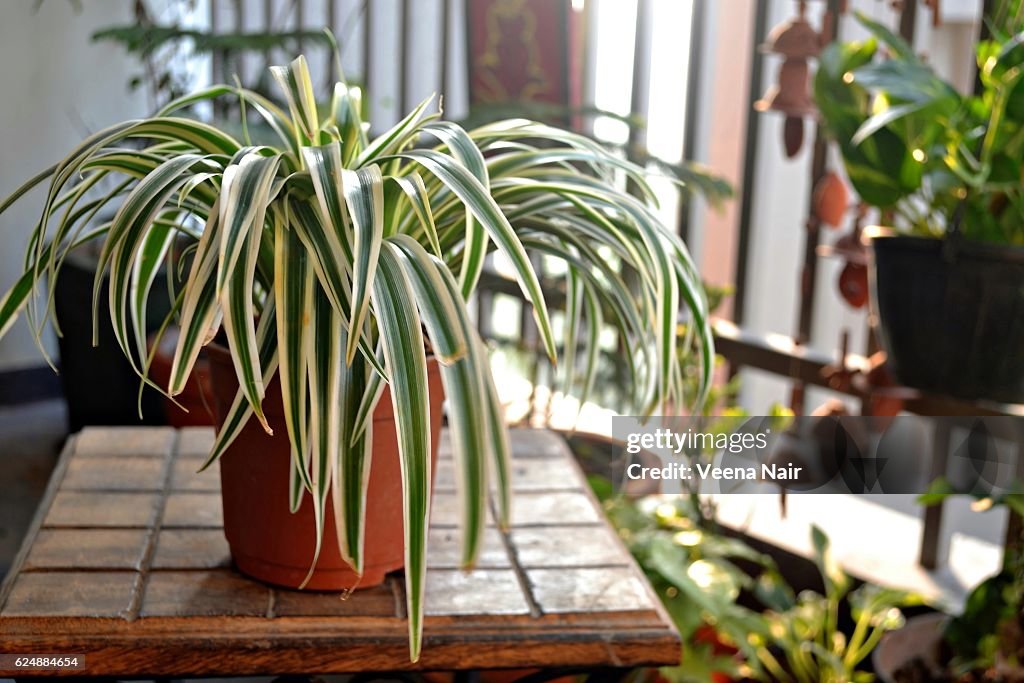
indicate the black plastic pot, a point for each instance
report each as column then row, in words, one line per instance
column 100, row 386
column 952, row 317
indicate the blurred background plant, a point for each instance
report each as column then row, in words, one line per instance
column 806, row 642
column 918, row 149
column 161, row 42
column 988, row 635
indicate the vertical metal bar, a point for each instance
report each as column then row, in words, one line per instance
column 446, row 16
column 580, row 121
column 268, row 23
column 367, row 48
column 332, row 24
column 300, row 23
column 932, row 531
column 1015, row 524
column 216, row 62
column 908, row 20
column 753, row 136
column 809, row 274
column 565, row 15
column 468, row 35
column 403, row 62
column 238, row 58
column 638, row 103
column 812, row 232
column 693, row 84
column 984, row 33
column 641, row 47
column 988, row 8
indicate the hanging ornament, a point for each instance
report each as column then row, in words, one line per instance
column 796, row 41
column 853, row 284
column 794, row 38
column 831, row 200
column 793, row 135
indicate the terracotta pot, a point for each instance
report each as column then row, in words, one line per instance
column 193, row 407
column 271, row 544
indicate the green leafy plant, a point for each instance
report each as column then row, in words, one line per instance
column 697, row 570
column 989, row 633
column 156, row 38
column 322, row 260
column 699, row 573
column 918, row 149
column 804, row 644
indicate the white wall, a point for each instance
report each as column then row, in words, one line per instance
column 57, row 87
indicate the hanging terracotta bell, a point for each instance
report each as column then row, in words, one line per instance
column 795, row 38
column 831, row 200
column 793, row 135
column 792, row 95
column 796, row 41
column 853, row 284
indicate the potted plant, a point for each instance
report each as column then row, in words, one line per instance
column 985, row 642
column 318, row 263
column 944, row 170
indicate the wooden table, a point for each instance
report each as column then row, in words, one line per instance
column 126, row 564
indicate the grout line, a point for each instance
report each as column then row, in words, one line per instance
column 145, row 567
column 513, row 556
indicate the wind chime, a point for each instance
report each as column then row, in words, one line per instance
column 797, row 42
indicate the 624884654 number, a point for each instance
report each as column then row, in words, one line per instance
column 41, row 662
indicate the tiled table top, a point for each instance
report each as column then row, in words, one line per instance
column 128, row 565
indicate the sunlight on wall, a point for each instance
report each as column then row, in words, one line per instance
column 670, row 62
column 613, row 69
column 667, row 94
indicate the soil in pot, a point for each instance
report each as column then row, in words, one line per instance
column 952, row 320
column 273, row 545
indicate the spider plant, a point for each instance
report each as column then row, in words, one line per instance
column 324, row 259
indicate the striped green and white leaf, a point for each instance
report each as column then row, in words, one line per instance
column 402, row 341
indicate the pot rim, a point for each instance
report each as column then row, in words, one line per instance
column 988, row 251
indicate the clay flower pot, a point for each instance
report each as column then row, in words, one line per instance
column 273, row 545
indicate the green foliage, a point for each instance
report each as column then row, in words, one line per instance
column 696, row 571
column 804, row 643
column 915, row 146
column 974, row 635
column 990, row 625
column 325, row 256
column 700, row 574
column 144, row 41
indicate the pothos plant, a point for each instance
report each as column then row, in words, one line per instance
column 323, row 258
column 918, row 149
